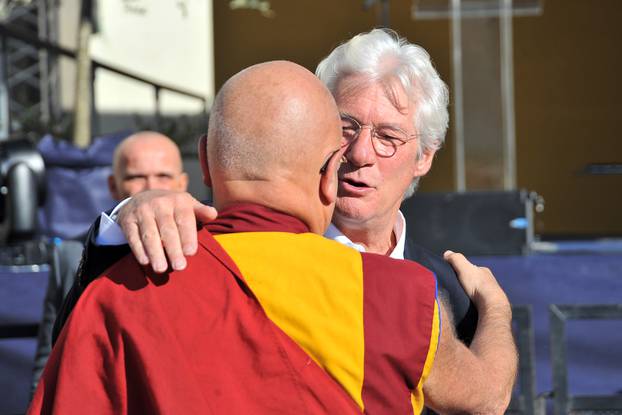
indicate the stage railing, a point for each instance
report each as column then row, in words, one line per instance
column 525, row 402
column 563, row 402
column 16, row 33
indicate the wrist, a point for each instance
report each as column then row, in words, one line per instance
column 493, row 301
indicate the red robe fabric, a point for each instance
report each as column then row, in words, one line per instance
column 200, row 341
column 191, row 342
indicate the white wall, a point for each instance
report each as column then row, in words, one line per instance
column 165, row 41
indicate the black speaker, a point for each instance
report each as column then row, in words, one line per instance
column 473, row 223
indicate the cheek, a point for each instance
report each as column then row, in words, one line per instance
column 397, row 174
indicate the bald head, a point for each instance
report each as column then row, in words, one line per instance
column 273, row 123
column 144, row 161
column 269, row 119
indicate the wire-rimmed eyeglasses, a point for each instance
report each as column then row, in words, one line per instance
column 385, row 138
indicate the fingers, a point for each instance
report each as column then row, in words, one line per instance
column 170, row 237
column 203, row 212
column 478, row 282
column 141, row 231
column 133, row 238
column 185, row 222
column 150, row 238
column 160, row 224
column 456, row 260
column 470, row 275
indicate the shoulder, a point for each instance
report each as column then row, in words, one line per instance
column 121, row 278
column 427, row 258
column 301, row 246
column 399, row 273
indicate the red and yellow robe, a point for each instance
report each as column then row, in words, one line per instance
column 267, row 318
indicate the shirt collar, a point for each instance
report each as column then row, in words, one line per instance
column 399, row 229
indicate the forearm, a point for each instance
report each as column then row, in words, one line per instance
column 478, row 379
column 495, row 350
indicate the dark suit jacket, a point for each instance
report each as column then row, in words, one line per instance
column 63, row 266
column 95, row 260
column 463, row 309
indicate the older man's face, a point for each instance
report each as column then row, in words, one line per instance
column 147, row 166
column 371, row 187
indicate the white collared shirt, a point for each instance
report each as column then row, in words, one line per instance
column 110, row 232
column 399, row 230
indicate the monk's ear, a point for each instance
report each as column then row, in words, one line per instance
column 328, row 179
column 202, row 150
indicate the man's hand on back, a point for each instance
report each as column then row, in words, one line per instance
column 478, row 282
column 156, row 222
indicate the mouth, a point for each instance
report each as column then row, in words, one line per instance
column 353, row 187
column 354, row 183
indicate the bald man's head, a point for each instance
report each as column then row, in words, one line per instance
column 274, row 123
column 144, row 161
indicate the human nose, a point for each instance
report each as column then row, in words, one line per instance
column 361, row 151
column 150, row 183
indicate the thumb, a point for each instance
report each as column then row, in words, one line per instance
column 457, row 260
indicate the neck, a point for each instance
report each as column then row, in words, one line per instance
column 377, row 238
column 277, row 196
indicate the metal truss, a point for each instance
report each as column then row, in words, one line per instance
column 29, row 94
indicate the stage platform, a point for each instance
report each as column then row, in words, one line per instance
column 593, row 346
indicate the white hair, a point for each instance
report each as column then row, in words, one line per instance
column 382, row 56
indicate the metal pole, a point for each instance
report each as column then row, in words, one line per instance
column 507, row 96
column 158, row 115
column 557, row 324
column 5, row 117
column 95, row 127
column 456, row 55
column 44, row 70
column 385, row 16
column 82, row 130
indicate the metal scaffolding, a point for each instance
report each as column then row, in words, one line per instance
column 29, row 93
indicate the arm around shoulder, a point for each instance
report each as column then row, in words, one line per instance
column 478, row 379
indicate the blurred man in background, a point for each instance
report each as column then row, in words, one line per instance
column 143, row 161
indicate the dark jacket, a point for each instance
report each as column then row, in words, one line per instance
column 463, row 309
column 63, row 266
column 95, row 260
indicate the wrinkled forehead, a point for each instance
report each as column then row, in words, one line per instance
column 353, row 87
column 375, row 102
column 152, row 158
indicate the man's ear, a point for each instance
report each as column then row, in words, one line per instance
column 112, row 187
column 202, row 150
column 424, row 163
column 328, row 178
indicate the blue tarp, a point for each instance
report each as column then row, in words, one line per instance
column 593, row 346
column 77, row 189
